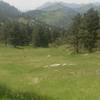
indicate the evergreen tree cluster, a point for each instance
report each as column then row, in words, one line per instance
column 84, row 31
column 37, row 34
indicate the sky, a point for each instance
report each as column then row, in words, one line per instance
column 25, row 5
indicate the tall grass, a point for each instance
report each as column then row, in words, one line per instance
column 7, row 94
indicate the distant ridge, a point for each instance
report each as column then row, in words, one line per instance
column 48, row 4
column 58, row 14
column 7, row 11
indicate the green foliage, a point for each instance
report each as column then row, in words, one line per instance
column 92, row 25
column 38, row 33
column 44, row 34
column 8, row 94
column 19, row 35
column 40, row 37
column 84, row 31
column 75, row 34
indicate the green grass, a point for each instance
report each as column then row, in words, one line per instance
column 27, row 74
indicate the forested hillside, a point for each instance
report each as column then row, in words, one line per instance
column 56, row 14
column 60, row 14
column 8, row 12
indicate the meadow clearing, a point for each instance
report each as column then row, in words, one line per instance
column 48, row 74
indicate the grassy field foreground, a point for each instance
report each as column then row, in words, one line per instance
column 48, row 74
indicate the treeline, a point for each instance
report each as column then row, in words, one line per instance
column 36, row 33
column 84, row 32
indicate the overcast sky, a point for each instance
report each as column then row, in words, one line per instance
column 33, row 4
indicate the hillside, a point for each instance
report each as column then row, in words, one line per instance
column 60, row 14
column 7, row 11
column 86, row 7
column 55, row 14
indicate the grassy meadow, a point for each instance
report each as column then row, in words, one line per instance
column 48, row 74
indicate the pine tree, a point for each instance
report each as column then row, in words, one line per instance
column 75, row 35
column 19, row 35
column 91, row 25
